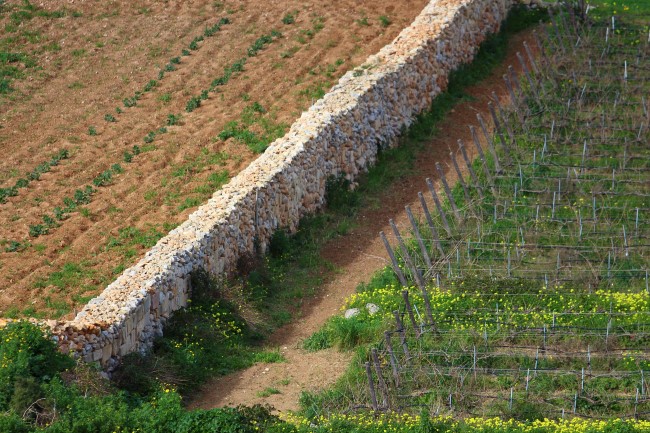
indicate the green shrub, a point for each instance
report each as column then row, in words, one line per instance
column 193, row 104
column 7, row 192
column 37, row 230
column 27, row 390
column 130, row 102
column 59, row 214
column 10, row 422
column 172, row 119
column 27, row 357
column 103, row 179
column 149, row 137
column 92, row 131
column 49, row 221
column 289, row 18
column 83, row 196
column 22, row 183
column 346, row 334
column 14, row 246
column 319, row 340
column 150, row 85
column 259, row 45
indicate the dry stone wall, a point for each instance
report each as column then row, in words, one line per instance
column 338, row 136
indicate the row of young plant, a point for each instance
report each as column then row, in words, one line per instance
column 567, row 336
column 82, row 196
column 251, row 115
column 230, row 71
column 169, row 67
column 33, row 175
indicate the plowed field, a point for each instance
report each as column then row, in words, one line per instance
column 117, row 119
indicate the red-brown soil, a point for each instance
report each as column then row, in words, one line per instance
column 87, row 64
column 356, row 256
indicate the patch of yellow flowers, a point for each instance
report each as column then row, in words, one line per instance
column 455, row 309
column 399, row 423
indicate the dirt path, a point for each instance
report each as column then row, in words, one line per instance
column 357, row 256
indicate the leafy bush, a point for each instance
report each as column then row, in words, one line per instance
column 149, row 137
column 130, row 102
column 259, row 45
column 49, row 221
column 103, row 179
column 59, row 214
column 110, row 117
column 92, row 131
column 7, row 192
column 172, row 119
column 28, row 357
column 384, row 21
column 37, row 230
column 193, row 104
column 289, row 18
column 22, row 182
column 14, row 246
column 150, row 85
column 83, row 196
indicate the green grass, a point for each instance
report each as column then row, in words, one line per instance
column 21, row 38
column 256, row 128
column 269, row 357
column 69, row 276
column 267, row 392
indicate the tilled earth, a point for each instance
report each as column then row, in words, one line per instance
column 86, row 58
